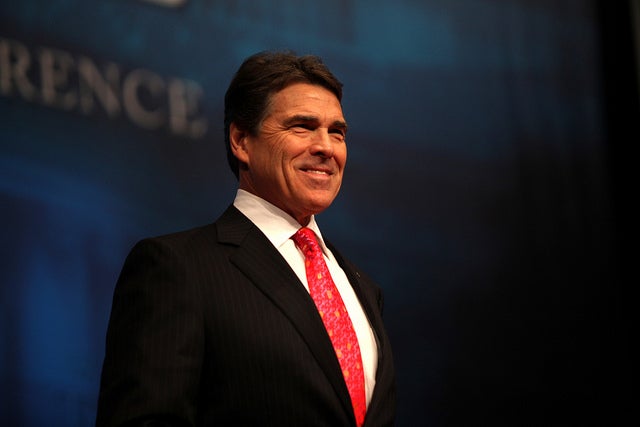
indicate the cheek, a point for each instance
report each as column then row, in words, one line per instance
column 283, row 150
column 274, row 158
column 290, row 154
column 341, row 157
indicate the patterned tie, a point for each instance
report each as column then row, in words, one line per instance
column 335, row 317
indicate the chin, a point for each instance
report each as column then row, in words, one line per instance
column 316, row 203
column 319, row 206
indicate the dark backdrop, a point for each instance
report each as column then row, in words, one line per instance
column 487, row 151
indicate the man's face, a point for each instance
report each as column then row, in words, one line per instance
column 297, row 159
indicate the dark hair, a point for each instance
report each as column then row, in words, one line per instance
column 258, row 78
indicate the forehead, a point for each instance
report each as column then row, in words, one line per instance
column 305, row 98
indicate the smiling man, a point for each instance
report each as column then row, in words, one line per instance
column 255, row 319
column 296, row 159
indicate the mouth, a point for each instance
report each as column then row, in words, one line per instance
column 317, row 171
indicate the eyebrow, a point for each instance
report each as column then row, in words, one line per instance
column 337, row 124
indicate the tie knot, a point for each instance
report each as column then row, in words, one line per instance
column 305, row 240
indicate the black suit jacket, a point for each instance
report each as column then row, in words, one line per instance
column 212, row 327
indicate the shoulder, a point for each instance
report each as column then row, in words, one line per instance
column 358, row 278
column 229, row 228
column 184, row 240
column 168, row 249
column 349, row 265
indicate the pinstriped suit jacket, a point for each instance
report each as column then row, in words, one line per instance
column 212, row 327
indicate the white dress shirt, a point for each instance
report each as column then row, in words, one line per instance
column 278, row 227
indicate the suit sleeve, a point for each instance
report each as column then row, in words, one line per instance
column 154, row 344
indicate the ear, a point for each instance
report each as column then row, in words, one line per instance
column 238, row 142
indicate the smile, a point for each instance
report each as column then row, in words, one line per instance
column 318, row 171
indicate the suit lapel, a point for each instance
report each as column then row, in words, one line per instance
column 264, row 266
column 367, row 301
column 370, row 306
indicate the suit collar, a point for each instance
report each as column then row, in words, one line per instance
column 232, row 227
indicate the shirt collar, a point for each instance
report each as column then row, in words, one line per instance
column 274, row 223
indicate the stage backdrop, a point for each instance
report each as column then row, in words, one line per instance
column 476, row 190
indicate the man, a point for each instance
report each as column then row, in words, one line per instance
column 255, row 320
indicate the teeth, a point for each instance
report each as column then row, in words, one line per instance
column 316, row 171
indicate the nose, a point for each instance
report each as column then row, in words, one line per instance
column 322, row 144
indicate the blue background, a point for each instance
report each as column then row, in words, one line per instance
column 479, row 193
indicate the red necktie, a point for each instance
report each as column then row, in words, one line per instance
column 335, row 317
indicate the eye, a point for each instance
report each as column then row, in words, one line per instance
column 301, row 127
column 338, row 132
